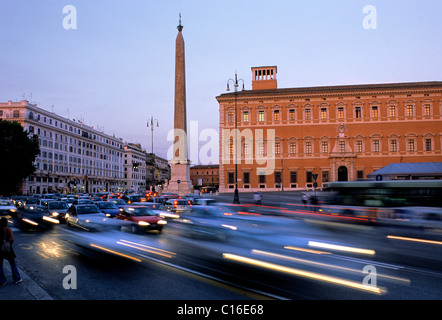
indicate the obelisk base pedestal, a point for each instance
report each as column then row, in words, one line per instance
column 180, row 182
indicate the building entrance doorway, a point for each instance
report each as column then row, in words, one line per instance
column 342, row 173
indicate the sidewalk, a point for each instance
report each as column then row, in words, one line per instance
column 26, row 290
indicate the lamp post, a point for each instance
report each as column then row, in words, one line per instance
column 235, row 85
column 151, row 123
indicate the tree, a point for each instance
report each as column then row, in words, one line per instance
column 17, row 154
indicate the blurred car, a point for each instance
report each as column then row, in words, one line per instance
column 119, row 202
column 208, row 222
column 142, row 218
column 205, row 202
column 156, row 208
column 69, row 201
column 133, row 198
column 176, row 205
column 82, row 201
column 192, row 197
column 32, row 216
column 84, row 216
column 58, row 209
column 109, row 208
column 7, row 208
column 44, row 201
column 170, row 195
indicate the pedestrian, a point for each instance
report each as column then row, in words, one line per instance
column 6, row 235
column 259, row 197
column 305, row 198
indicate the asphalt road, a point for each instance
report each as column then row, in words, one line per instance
column 279, row 258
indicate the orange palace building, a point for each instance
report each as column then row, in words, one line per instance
column 286, row 138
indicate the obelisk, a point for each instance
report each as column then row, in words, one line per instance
column 180, row 165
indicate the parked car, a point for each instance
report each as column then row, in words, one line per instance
column 142, row 218
column 31, row 216
column 109, row 208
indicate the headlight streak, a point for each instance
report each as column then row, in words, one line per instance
column 303, row 273
column 142, row 247
column 229, row 227
column 51, row 219
column 30, row 221
column 115, row 252
column 325, row 265
column 306, row 250
column 415, row 240
column 340, row 248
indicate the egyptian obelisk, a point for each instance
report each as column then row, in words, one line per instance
column 180, row 165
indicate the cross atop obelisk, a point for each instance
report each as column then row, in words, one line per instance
column 180, row 165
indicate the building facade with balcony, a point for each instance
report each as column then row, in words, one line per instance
column 293, row 137
column 73, row 157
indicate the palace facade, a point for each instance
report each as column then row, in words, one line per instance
column 288, row 139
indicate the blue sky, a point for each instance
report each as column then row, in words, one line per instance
column 116, row 70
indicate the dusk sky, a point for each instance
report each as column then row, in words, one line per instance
column 116, row 70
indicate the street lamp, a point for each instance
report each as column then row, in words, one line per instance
column 151, row 123
column 235, row 85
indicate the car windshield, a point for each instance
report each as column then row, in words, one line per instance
column 6, row 203
column 107, row 205
column 57, row 205
column 87, row 209
column 135, row 198
column 118, row 201
column 139, row 211
column 36, row 210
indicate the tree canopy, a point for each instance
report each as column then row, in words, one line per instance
column 18, row 151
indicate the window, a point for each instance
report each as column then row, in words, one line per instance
column 261, row 115
column 278, row 178
column 261, row 178
column 325, row 176
column 230, row 117
column 276, row 116
column 360, row 174
column 16, row 114
column 392, row 111
column 376, row 146
column 427, row 144
column 277, row 148
column 340, row 113
column 245, row 116
column 374, row 112
column 293, row 176
column 410, row 111
column 231, row 147
column 292, row 147
column 427, row 110
column 292, row 114
column 341, row 146
column 393, row 145
column 359, row 146
column 231, row 177
column 309, row 176
column 307, row 114
column 246, row 177
column 261, row 148
column 323, row 113
column 410, row 144
column 324, row 146
column 358, row 112
column 308, row 147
